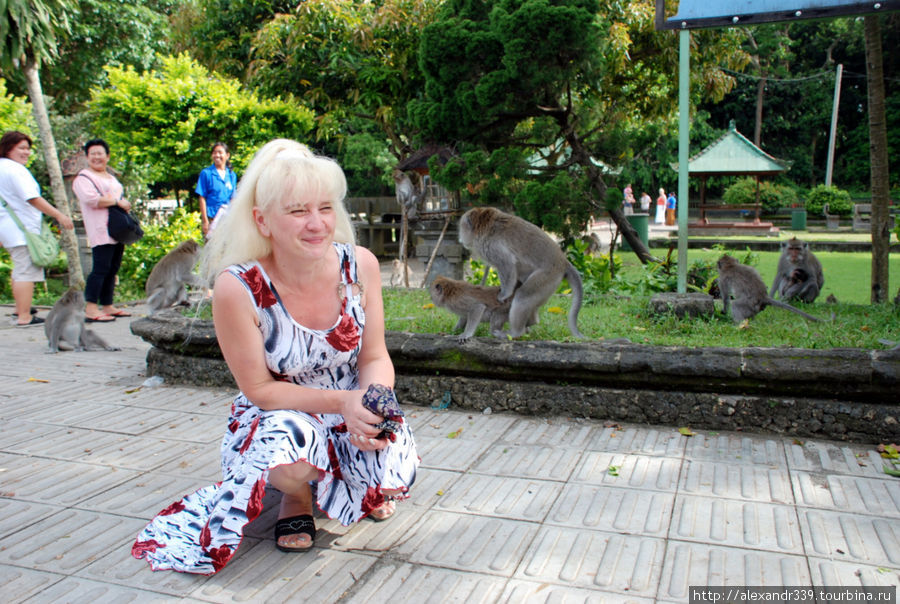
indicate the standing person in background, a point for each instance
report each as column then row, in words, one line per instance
column 645, row 203
column 628, row 202
column 661, row 207
column 97, row 190
column 671, row 204
column 23, row 194
column 215, row 186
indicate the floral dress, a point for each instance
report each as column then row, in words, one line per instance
column 201, row 532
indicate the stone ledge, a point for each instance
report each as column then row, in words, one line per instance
column 837, row 393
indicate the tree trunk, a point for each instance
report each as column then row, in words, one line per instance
column 68, row 239
column 760, row 97
column 878, row 158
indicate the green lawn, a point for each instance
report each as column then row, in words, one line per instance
column 848, row 275
column 855, row 323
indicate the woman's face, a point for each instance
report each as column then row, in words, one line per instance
column 97, row 158
column 302, row 226
column 20, row 153
column 219, row 157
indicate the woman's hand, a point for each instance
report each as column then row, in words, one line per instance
column 124, row 204
column 361, row 423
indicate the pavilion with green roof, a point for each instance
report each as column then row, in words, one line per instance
column 732, row 155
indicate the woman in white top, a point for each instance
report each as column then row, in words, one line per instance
column 23, row 194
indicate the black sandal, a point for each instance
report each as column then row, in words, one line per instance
column 293, row 526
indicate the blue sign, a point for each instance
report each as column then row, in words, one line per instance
column 703, row 13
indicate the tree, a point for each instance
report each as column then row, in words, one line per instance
column 540, row 97
column 352, row 61
column 29, row 32
column 163, row 122
column 881, row 232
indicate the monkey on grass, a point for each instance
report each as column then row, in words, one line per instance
column 65, row 328
column 166, row 285
column 799, row 274
column 473, row 303
column 529, row 263
column 744, row 291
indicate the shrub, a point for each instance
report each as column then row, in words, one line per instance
column 772, row 197
column 838, row 201
column 158, row 240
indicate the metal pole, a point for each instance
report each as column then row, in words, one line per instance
column 684, row 82
column 834, row 116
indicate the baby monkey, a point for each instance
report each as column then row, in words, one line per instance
column 746, row 287
column 473, row 303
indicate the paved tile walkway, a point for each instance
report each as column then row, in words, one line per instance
column 506, row 508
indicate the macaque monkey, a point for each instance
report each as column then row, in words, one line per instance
column 473, row 303
column 407, row 194
column 397, row 272
column 167, row 281
column 65, row 328
column 594, row 245
column 795, row 256
column 744, row 284
column 529, row 263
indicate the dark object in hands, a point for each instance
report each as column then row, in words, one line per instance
column 382, row 401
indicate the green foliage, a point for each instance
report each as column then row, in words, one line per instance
column 562, row 111
column 166, row 120
column 103, row 32
column 158, row 240
column 476, row 270
column 838, row 201
column 772, row 197
column 30, row 28
column 594, row 269
column 15, row 112
column 897, row 227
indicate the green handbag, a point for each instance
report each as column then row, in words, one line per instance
column 43, row 247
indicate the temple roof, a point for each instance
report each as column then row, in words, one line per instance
column 731, row 155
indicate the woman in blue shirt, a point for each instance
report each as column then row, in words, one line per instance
column 216, row 185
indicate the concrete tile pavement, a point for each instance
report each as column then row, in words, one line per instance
column 505, row 509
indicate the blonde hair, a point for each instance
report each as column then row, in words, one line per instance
column 280, row 171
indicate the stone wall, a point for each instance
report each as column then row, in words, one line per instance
column 844, row 394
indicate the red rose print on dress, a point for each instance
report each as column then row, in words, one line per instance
column 220, row 556
column 255, row 505
column 141, row 547
column 345, row 336
column 372, row 500
column 173, row 509
column 262, row 295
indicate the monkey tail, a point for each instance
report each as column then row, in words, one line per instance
column 786, row 306
column 574, row 280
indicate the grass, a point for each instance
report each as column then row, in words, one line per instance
column 611, row 316
column 856, row 324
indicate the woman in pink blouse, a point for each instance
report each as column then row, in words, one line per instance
column 98, row 190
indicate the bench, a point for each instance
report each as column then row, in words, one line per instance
column 832, row 221
column 862, row 216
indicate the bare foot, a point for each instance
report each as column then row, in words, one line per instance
column 295, row 506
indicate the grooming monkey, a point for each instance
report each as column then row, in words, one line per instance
column 167, row 281
column 744, row 284
column 473, row 303
column 795, row 256
column 65, row 328
column 529, row 263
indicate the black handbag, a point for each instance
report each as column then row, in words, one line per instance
column 123, row 226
